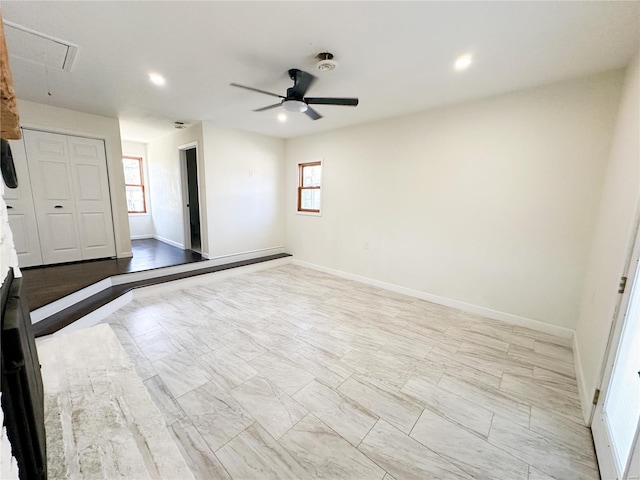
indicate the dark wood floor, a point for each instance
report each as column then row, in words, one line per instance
column 47, row 284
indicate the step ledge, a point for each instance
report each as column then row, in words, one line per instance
column 107, row 309
column 63, row 303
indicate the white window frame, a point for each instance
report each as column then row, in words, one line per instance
column 145, row 185
column 297, row 195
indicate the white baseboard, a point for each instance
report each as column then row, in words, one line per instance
column 248, row 255
column 170, row 242
column 448, row 302
column 71, row 299
column 204, row 279
column 124, row 255
column 141, row 237
column 586, row 398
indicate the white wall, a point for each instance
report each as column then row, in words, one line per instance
column 140, row 224
column 613, row 240
column 491, row 203
column 245, row 191
column 61, row 120
column 165, row 185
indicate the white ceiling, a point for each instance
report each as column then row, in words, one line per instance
column 397, row 57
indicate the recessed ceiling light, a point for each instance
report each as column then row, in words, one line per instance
column 282, row 117
column 157, row 79
column 463, row 62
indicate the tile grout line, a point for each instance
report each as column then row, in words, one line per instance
column 371, row 459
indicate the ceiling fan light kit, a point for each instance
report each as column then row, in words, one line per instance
column 295, row 106
column 295, row 101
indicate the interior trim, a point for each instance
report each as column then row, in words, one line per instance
column 448, row 302
column 585, row 398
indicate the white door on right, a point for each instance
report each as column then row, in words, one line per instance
column 616, row 421
column 93, row 202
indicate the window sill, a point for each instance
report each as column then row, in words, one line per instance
column 310, row 214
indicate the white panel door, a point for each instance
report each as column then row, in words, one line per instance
column 93, row 203
column 53, row 198
column 22, row 215
column 616, row 422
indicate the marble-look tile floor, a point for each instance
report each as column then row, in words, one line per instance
column 290, row 373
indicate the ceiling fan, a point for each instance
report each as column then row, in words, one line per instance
column 295, row 101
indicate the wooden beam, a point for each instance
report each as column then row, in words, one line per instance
column 9, row 118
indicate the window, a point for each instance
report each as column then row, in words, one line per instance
column 309, row 186
column 134, row 184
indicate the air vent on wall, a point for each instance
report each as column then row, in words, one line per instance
column 38, row 47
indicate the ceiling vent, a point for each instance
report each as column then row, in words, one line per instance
column 37, row 47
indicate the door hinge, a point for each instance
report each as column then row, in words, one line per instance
column 623, row 284
column 596, row 396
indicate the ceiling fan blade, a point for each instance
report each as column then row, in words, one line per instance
column 311, row 113
column 256, row 90
column 269, row 107
column 301, row 83
column 352, row 102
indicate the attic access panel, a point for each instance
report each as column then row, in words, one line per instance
column 38, row 47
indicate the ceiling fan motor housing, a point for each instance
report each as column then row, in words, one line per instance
column 297, row 91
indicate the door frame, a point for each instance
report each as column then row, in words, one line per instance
column 604, row 451
column 184, row 183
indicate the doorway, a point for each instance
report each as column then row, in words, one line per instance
column 189, row 158
column 616, row 422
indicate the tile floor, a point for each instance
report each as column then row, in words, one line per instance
column 293, row 373
column 99, row 420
